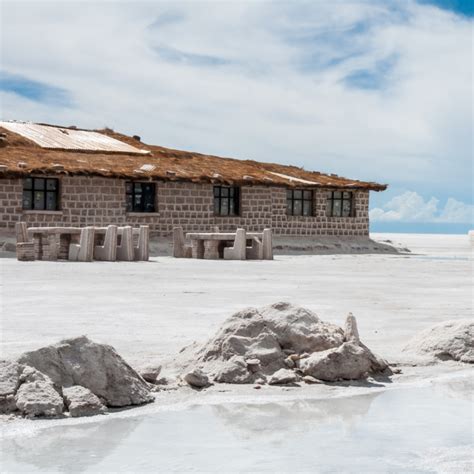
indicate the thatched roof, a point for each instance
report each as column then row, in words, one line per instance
column 20, row 156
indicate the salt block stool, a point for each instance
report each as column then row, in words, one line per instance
column 108, row 251
column 239, row 250
column 125, row 249
column 84, row 251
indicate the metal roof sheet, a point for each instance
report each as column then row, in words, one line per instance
column 293, row 178
column 51, row 137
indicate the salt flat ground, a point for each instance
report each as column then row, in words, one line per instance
column 150, row 310
column 420, row 423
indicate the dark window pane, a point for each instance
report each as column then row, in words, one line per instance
column 137, row 202
column 217, row 191
column 307, row 211
column 28, row 183
column 232, row 207
column 346, row 195
column 216, row 205
column 231, row 192
column 27, row 200
column 298, row 208
column 128, row 187
column 329, row 207
column 224, row 207
column 137, row 187
column 298, row 194
column 346, row 208
column 289, row 207
column 38, row 183
column 308, row 194
column 129, row 202
column 148, row 206
column 148, row 197
column 329, row 194
column 289, row 193
column 51, row 201
column 236, row 201
column 38, row 200
column 224, row 192
column 337, row 208
column 51, row 184
column 337, row 194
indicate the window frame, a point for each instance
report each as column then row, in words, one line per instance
column 35, row 187
column 341, row 199
column 290, row 197
column 235, row 190
column 133, row 193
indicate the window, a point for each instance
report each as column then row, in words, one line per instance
column 226, row 201
column 339, row 204
column 140, row 197
column 299, row 202
column 41, row 194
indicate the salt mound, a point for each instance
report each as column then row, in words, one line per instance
column 98, row 367
column 77, row 374
column 449, row 340
column 253, row 344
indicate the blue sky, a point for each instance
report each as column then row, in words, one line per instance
column 375, row 90
column 460, row 7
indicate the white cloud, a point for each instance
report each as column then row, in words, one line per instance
column 370, row 90
column 411, row 207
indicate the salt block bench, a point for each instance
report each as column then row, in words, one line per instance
column 228, row 245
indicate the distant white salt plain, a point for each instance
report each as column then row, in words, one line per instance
column 420, row 423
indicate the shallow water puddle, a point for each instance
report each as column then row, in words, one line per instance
column 419, row 430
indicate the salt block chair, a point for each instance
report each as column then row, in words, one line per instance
column 261, row 248
column 125, row 249
column 142, row 250
column 255, row 251
column 25, row 248
column 84, row 250
column 239, row 250
column 180, row 249
column 267, row 241
column 108, row 251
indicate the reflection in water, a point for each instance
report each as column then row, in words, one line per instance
column 420, row 430
column 276, row 420
column 70, row 448
column 461, row 388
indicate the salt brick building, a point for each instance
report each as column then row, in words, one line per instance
column 65, row 176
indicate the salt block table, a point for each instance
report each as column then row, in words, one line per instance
column 52, row 243
column 206, row 244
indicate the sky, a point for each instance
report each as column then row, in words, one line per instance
column 372, row 90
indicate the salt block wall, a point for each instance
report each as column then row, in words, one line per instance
column 101, row 201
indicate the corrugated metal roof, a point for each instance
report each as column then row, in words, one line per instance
column 51, row 137
column 293, row 179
